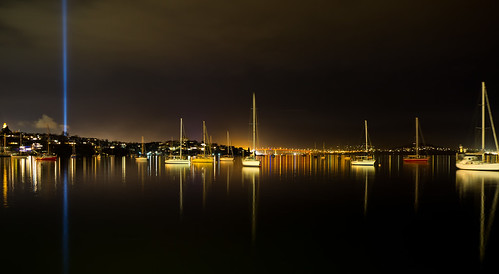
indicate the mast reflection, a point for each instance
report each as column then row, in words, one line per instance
column 479, row 183
column 206, row 170
column 180, row 192
column 5, row 186
column 252, row 174
column 123, row 169
column 364, row 172
column 179, row 170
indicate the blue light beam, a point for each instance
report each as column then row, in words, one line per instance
column 65, row 63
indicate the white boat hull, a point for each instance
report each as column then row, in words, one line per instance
column 363, row 162
column 466, row 165
column 141, row 159
column 19, row 156
column 203, row 160
column 252, row 162
column 177, row 161
column 226, row 159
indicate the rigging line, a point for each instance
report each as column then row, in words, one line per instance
column 421, row 133
column 491, row 120
column 256, row 130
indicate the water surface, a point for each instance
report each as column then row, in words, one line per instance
column 295, row 214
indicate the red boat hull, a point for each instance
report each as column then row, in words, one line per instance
column 47, row 158
column 419, row 160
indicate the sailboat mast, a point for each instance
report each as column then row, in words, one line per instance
column 417, row 137
column 204, row 138
column 228, row 144
column 365, row 122
column 254, row 124
column 180, row 139
column 142, row 145
column 483, row 117
column 48, row 140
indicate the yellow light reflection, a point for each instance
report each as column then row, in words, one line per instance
column 123, row 169
column 252, row 174
column 5, row 187
column 363, row 173
column 479, row 182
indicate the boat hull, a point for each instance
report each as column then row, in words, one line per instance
column 46, row 158
column 252, row 162
column 416, row 160
column 177, row 161
column 141, row 159
column 202, row 160
column 226, row 159
column 363, row 162
column 19, row 156
column 478, row 166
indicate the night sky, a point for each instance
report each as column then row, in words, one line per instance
column 318, row 68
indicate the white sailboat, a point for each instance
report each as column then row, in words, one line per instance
column 252, row 160
column 416, row 158
column 20, row 154
column 365, row 160
column 477, row 161
column 229, row 156
column 203, row 158
column 48, row 156
column 143, row 156
column 179, row 160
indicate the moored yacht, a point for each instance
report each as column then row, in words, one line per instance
column 364, row 160
column 179, row 159
column 477, row 160
column 251, row 160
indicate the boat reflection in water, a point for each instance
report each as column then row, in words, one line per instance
column 418, row 171
column 365, row 173
column 486, row 185
column 252, row 175
column 179, row 173
column 296, row 213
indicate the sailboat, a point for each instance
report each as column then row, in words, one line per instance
column 365, row 160
column 48, row 156
column 416, row 158
column 323, row 151
column 179, row 160
column 143, row 156
column 203, row 158
column 4, row 152
column 476, row 161
column 21, row 153
column 73, row 145
column 229, row 156
column 252, row 160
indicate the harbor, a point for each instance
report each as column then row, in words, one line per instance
column 294, row 213
column 249, row 136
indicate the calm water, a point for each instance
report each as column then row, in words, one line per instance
column 296, row 214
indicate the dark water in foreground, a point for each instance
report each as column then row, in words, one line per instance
column 296, row 214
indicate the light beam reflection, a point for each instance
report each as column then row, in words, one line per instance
column 65, row 223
